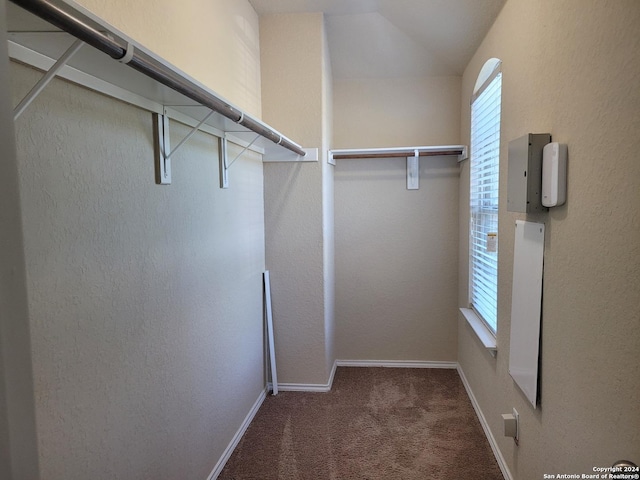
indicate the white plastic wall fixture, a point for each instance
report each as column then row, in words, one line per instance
column 554, row 174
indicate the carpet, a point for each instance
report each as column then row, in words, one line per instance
column 376, row 423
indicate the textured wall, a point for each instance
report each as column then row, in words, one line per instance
column 145, row 301
column 214, row 41
column 570, row 68
column 392, row 112
column 396, row 250
column 328, row 208
column 18, row 444
column 292, row 59
column 396, row 260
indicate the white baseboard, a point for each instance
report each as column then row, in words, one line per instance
column 315, row 387
column 485, row 426
column 303, row 387
column 307, row 387
column 396, row 364
column 236, row 438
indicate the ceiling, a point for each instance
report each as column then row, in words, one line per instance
column 397, row 38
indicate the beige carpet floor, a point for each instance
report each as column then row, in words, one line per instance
column 376, row 423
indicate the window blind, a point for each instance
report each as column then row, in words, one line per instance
column 485, row 151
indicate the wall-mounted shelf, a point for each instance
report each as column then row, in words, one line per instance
column 412, row 155
column 140, row 77
column 459, row 151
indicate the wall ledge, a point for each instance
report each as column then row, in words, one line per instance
column 396, row 364
column 487, row 338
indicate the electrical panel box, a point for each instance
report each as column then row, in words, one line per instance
column 524, row 188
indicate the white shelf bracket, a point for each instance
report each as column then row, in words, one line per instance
column 242, row 151
column 464, row 155
column 44, row 81
column 225, row 164
column 222, row 156
column 188, row 136
column 161, row 142
column 413, row 171
column 164, row 152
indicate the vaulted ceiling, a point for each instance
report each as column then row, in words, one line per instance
column 397, row 38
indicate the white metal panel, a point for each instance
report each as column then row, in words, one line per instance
column 526, row 307
column 270, row 334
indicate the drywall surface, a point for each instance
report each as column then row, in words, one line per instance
column 145, row 301
column 396, row 257
column 292, row 59
column 214, row 41
column 391, row 112
column 18, row 445
column 570, row 68
column 328, row 208
column 396, row 249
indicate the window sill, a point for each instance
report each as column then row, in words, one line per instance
column 487, row 338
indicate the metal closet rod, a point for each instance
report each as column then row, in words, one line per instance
column 140, row 62
column 349, row 156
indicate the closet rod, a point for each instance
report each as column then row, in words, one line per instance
column 349, row 156
column 66, row 21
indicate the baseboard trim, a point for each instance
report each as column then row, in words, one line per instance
column 307, row 387
column 396, row 364
column 318, row 387
column 333, row 373
column 485, row 426
column 237, row 437
column 303, row 387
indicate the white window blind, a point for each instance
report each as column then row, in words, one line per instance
column 485, row 151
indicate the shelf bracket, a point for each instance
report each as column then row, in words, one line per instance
column 464, row 155
column 188, row 136
column 225, row 164
column 413, row 171
column 222, row 158
column 164, row 152
column 161, row 143
column 243, row 150
column 44, row 81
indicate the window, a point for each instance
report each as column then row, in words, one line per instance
column 485, row 162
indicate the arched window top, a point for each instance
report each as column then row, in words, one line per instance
column 488, row 72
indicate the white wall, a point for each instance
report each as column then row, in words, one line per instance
column 18, row 445
column 396, row 250
column 328, row 207
column 396, row 257
column 298, row 215
column 570, row 68
column 392, row 112
column 214, row 41
column 144, row 301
